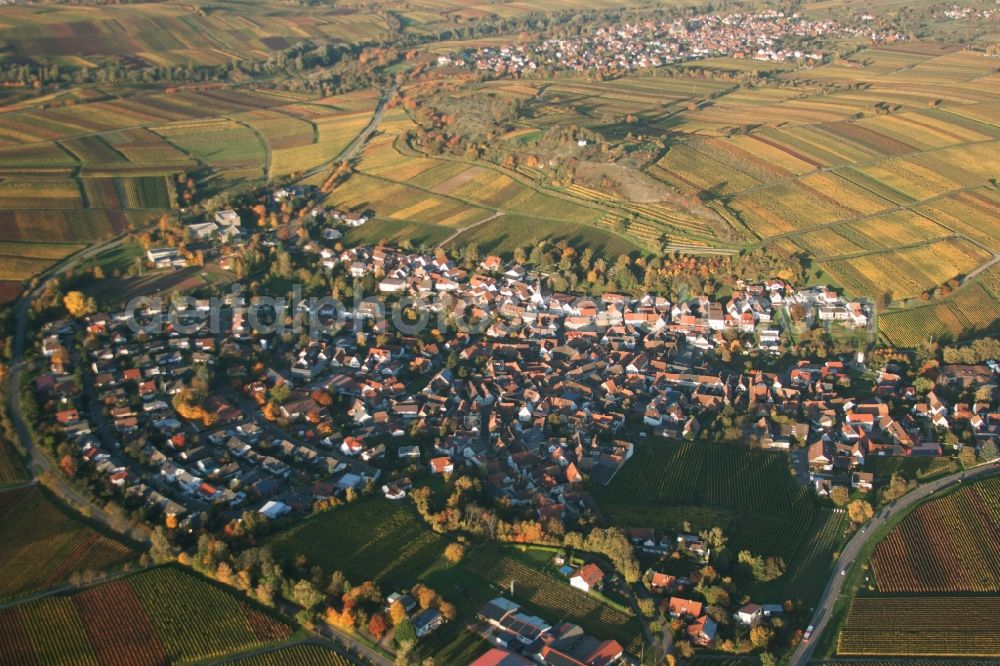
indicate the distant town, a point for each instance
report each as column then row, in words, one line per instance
column 770, row 36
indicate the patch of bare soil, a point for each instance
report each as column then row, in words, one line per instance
column 635, row 186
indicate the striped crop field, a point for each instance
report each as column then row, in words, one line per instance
column 951, row 544
column 920, row 627
column 164, row 615
column 35, row 530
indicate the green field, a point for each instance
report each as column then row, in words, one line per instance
column 509, row 232
column 33, row 529
column 750, row 494
column 808, row 572
column 367, row 540
column 918, row 469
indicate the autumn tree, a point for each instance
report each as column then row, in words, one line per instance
column 160, row 549
column 760, row 636
column 68, row 465
column 840, row 496
column 897, row 487
column 426, row 597
column 860, row 511
column 78, row 304
column 397, row 612
column 454, row 552
column 377, row 626
column 306, row 595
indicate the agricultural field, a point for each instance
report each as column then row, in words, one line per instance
column 554, row 599
column 951, row 544
column 33, row 529
column 164, row 615
column 12, row 471
column 69, row 226
column 104, row 165
column 906, row 273
column 304, row 654
column 808, row 572
column 602, row 104
column 886, row 184
column 223, row 143
column 949, row 626
column 505, row 234
column 393, row 231
column 39, row 193
column 919, row 468
column 20, row 261
column 367, row 540
column 972, row 310
column 196, row 620
column 9, row 291
column 437, row 199
column 17, row 268
column 463, row 649
column 137, row 192
column 333, row 123
column 749, row 494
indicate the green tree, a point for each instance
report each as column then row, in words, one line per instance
column 405, row 633
column 306, row 595
column 160, row 549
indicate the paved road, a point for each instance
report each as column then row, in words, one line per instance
column 973, row 274
column 821, row 615
column 355, row 146
column 337, row 635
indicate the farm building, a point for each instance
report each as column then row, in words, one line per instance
column 500, row 657
column 427, row 621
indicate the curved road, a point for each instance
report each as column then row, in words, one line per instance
column 821, row 615
column 57, row 483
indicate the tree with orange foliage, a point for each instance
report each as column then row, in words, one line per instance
column 377, row 626
column 187, row 408
column 78, row 304
column 448, row 611
column 426, row 597
column 454, row 552
column 321, row 398
column 397, row 612
column 68, row 465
